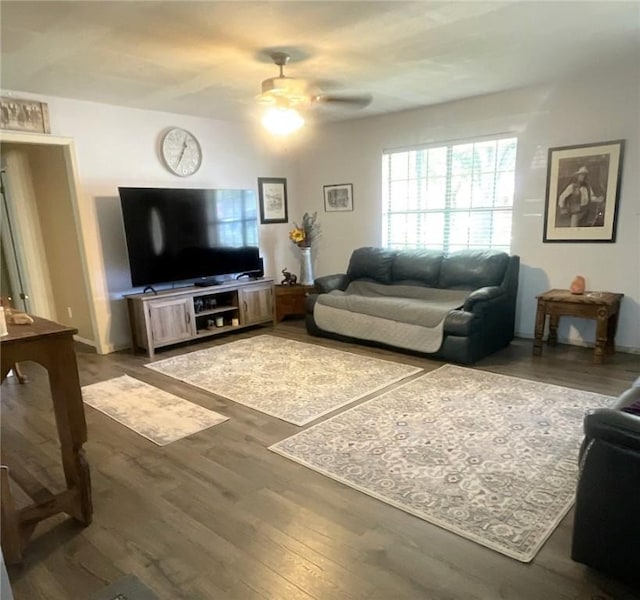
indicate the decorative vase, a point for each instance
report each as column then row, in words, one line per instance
column 306, row 269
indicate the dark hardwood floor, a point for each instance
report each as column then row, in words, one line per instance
column 218, row 516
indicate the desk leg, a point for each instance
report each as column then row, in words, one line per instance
column 553, row 330
column 602, row 329
column 10, row 532
column 71, row 424
column 541, row 317
column 612, row 328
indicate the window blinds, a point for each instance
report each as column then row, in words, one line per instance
column 449, row 197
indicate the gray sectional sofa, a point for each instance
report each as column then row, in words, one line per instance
column 458, row 307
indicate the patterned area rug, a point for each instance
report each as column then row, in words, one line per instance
column 489, row 457
column 153, row 413
column 293, row 381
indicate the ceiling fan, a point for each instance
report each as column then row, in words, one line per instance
column 294, row 93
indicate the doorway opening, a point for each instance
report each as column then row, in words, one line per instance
column 42, row 266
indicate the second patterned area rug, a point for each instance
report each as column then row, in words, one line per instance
column 293, row 381
column 489, row 457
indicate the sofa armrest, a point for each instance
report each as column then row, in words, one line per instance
column 462, row 323
column 310, row 302
column 483, row 294
column 613, row 426
column 327, row 283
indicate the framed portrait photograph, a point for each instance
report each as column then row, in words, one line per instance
column 24, row 115
column 338, row 197
column 272, row 194
column 583, row 190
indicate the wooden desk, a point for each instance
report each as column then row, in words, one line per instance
column 51, row 345
column 604, row 307
column 290, row 300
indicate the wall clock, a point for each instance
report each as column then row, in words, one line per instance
column 181, row 152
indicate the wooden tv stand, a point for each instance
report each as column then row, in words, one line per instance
column 190, row 313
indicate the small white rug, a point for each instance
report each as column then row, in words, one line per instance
column 489, row 457
column 151, row 412
column 293, row 381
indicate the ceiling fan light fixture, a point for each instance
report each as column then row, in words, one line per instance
column 282, row 120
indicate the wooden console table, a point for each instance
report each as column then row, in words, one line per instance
column 604, row 307
column 185, row 314
column 51, row 345
column 290, row 300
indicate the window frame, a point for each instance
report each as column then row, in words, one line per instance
column 448, row 210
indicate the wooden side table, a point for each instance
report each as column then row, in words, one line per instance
column 51, row 345
column 604, row 307
column 290, row 300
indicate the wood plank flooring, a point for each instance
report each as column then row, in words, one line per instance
column 218, row 516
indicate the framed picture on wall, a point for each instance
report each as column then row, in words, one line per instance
column 338, row 197
column 24, row 115
column 272, row 194
column 583, row 190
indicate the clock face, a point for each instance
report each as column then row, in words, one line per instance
column 181, row 152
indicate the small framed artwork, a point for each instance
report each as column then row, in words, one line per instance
column 583, row 190
column 272, row 193
column 338, row 197
column 24, row 115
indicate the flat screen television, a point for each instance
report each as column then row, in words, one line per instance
column 189, row 234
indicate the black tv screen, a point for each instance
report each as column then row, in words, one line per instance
column 179, row 234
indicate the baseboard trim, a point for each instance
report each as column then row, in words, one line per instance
column 582, row 343
column 83, row 340
column 109, row 348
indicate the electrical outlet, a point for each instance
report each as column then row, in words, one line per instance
column 69, row 312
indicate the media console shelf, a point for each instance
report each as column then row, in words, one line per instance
column 189, row 313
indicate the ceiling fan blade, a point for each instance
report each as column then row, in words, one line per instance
column 339, row 100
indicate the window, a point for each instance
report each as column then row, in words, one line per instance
column 449, row 197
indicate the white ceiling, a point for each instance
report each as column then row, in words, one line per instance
column 204, row 58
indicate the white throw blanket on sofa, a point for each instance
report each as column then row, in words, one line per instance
column 406, row 316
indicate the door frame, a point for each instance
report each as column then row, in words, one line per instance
column 68, row 148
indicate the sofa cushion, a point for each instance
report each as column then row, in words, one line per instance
column 417, row 267
column 472, row 269
column 371, row 263
column 406, row 304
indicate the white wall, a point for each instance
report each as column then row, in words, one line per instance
column 119, row 146
column 575, row 112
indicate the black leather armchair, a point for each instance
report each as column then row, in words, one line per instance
column 606, row 533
